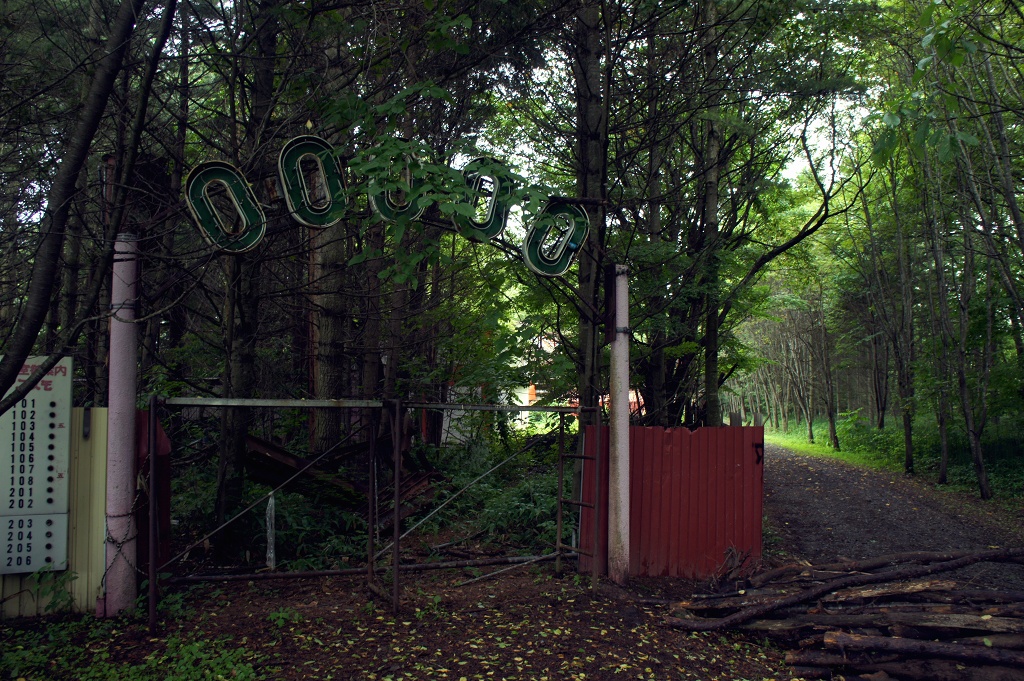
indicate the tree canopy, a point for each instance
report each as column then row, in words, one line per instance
column 817, row 202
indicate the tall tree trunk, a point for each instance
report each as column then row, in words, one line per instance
column 655, row 399
column 828, row 378
column 711, row 174
column 588, row 45
column 880, row 379
column 331, row 360
column 972, row 425
column 241, row 320
column 58, row 203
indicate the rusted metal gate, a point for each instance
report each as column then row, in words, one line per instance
column 696, row 501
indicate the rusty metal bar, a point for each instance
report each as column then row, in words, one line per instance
column 454, row 406
column 353, row 403
column 346, row 572
column 154, row 518
column 396, row 446
column 263, row 402
column 595, row 570
column 371, row 496
column 561, row 484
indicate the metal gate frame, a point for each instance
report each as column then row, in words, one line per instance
column 394, row 408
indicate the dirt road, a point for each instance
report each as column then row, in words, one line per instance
column 824, row 509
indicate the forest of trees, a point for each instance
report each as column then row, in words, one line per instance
column 817, row 202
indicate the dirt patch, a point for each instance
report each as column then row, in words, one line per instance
column 529, row 625
column 824, row 509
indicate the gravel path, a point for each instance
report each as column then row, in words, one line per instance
column 824, row 509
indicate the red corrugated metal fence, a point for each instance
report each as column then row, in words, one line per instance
column 696, row 499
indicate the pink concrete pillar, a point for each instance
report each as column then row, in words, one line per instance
column 618, row 428
column 120, row 579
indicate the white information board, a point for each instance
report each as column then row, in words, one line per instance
column 34, row 462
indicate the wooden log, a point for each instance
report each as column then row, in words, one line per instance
column 731, row 602
column 751, row 613
column 867, row 564
column 956, row 623
column 824, row 658
column 760, row 580
column 1005, row 641
column 856, row 565
column 901, row 589
column 989, row 595
column 971, row 596
column 942, row 670
column 1008, row 610
column 811, row 673
column 838, row 640
column 899, row 666
column 892, row 607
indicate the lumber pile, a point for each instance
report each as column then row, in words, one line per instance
column 892, row 617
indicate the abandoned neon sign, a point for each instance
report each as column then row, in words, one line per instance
column 245, row 229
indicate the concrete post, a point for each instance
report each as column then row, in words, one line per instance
column 121, row 554
column 618, row 472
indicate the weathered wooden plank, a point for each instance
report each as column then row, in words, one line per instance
column 838, row 640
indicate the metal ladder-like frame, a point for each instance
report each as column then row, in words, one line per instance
column 595, row 507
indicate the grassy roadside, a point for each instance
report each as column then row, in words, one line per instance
column 883, row 451
column 796, row 440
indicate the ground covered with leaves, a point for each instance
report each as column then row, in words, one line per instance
column 528, row 623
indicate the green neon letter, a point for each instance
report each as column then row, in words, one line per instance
column 571, row 224
column 495, row 213
column 387, row 207
column 310, row 211
column 244, row 225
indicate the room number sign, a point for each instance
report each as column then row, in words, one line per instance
column 35, row 451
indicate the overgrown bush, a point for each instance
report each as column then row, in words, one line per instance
column 313, row 535
column 523, row 514
column 857, row 434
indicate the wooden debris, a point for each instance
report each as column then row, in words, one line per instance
column 839, row 641
column 885, row 617
column 860, row 579
column 902, row 589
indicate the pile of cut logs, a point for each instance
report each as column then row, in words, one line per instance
column 890, row 617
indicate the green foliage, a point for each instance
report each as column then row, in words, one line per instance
column 431, row 608
column 284, row 616
column 1002, row 446
column 523, row 514
column 54, row 588
column 193, row 492
column 172, row 605
column 311, row 534
column 925, row 118
column 858, row 436
column 75, row 650
column 865, row 445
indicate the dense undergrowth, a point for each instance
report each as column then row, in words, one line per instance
column 862, row 444
column 499, row 489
